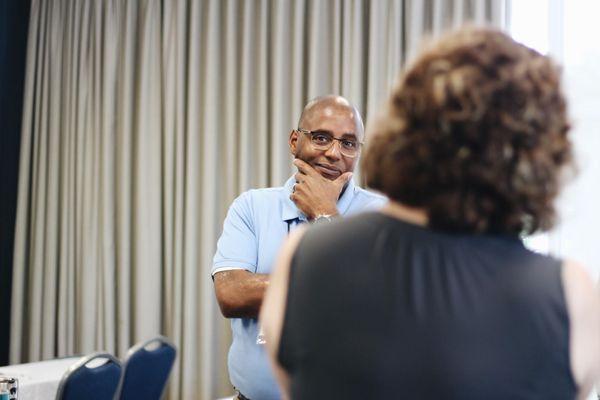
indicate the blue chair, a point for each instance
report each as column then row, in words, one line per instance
column 146, row 370
column 86, row 381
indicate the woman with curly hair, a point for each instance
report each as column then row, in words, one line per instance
column 436, row 297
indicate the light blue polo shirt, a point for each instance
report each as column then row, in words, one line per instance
column 256, row 224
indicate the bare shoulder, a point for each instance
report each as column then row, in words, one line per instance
column 273, row 307
column 580, row 292
column 583, row 305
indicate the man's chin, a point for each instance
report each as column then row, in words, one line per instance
column 327, row 173
column 329, row 177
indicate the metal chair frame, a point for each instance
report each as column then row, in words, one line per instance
column 133, row 350
column 82, row 364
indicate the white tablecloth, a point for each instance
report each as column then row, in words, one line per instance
column 39, row 380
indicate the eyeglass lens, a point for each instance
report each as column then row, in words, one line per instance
column 324, row 141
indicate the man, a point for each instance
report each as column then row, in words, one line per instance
column 326, row 147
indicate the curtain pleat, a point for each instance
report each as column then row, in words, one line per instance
column 142, row 121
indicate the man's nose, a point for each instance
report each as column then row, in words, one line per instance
column 333, row 152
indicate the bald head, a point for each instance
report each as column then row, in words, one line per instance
column 327, row 118
column 328, row 106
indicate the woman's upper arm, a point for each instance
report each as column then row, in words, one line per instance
column 583, row 306
column 273, row 308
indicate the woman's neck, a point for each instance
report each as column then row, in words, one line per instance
column 416, row 216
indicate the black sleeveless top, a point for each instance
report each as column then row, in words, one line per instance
column 378, row 308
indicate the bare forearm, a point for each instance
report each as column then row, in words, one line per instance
column 240, row 293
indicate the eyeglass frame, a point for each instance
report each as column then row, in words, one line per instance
column 309, row 132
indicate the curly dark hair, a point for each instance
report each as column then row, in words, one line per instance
column 475, row 133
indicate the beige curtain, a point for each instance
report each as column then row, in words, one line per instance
column 142, row 121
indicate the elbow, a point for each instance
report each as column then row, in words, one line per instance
column 236, row 298
column 227, row 304
column 234, row 307
column 228, row 309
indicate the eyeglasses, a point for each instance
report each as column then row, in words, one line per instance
column 322, row 140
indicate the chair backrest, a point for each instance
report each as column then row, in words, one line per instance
column 146, row 369
column 86, row 381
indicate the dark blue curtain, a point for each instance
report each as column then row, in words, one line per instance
column 14, row 24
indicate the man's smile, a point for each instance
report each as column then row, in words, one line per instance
column 328, row 170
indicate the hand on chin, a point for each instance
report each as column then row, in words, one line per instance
column 318, row 188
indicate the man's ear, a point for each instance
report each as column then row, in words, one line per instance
column 293, row 141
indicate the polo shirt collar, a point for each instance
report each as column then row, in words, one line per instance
column 291, row 212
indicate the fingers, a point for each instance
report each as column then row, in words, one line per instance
column 344, row 178
column 295, row 196
column 298, row 187
column 304, row 167
column 298, row 191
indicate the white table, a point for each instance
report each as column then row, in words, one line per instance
column 39, row 380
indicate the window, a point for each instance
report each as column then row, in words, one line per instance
column 569, row 31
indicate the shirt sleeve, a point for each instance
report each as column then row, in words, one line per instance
column 237, row 247
column 377, row 203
